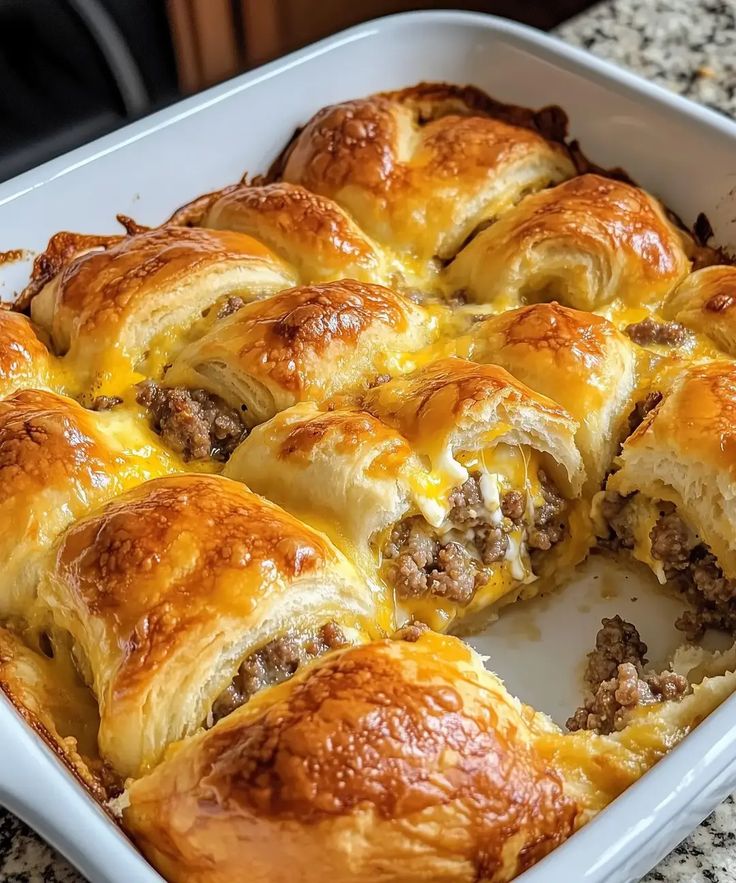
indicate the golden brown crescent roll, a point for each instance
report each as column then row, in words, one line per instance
column 61, row 250
column 706, row 302
column 672, row 500
column 419, row 171
column 185, row 596
column 58, row 461
column 386, row 762
column 304, row 343
column 577, row 359
column 114, row 311
column 446, row 481
column 583, row 243
column 307, row 230
column 25, row 360
column 394, row 761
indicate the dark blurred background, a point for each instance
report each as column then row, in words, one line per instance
column 71, row 70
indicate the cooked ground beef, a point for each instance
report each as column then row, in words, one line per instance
column 617, row 682
column 618, row 517
column 617, row 642
column 641, row 409
column 411, row 632
column 648, row 332
column 422, row 564
column 606, row 710
column 231, row 305
column 105, row 403
column 688, row 564
column 671, row 541
column 548, row 529
column 513, row 505
column 274, row 663
column 192, row 422
column 425, row 567
column 466, row 502
column 712, row 596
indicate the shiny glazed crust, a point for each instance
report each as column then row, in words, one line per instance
column 578, row 359
column 685, row 452
column 58, row 461
column 584, row 243
column 706, row 302
column 168, row 588
column 420, row 170
column 306, row 343
column 307, row 230
column 347, row 773
column 25, row 360
column 112, row 303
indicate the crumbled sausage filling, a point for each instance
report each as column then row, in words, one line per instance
column 688, row 564
column 454, row 561
column 641, row 409
column 192, row 422
column 617, row 683
column 648, row 332
column 231, row 305
column 274, row 663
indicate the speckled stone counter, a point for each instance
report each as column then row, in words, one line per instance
column 688, row 46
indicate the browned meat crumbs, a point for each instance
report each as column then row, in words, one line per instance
column 466, row 501
column 617, row 683
column 618, row 518
column 513, row 505
column 641, row 409
column 274, row 663
column 712, row 596
column 192, row 422
column 688, row 564
column 671, row 541
column 231, row 305
column 105, row 403
column 423, row 564
column 617, row 642
column 547, row 529
column 410, row 632
column 648, row 332
column 607, row 710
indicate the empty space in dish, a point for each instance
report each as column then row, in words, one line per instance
column 539, row 647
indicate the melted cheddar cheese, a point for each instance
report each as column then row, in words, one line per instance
column 501, row 468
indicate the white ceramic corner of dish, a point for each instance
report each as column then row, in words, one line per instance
column 684, row 153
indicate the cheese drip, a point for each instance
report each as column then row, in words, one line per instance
column 499, row 469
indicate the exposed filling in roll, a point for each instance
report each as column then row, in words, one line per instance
column 656, row 534
column 641, row 409
column 489, row 525
column 192, row 422
column 617, row 683
column 274, row 663
column 648, row 332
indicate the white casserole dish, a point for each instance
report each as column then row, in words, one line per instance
column 683, row 153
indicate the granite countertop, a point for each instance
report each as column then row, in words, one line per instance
column 688, row 46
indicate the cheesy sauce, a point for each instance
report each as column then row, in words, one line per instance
column 500, row 468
